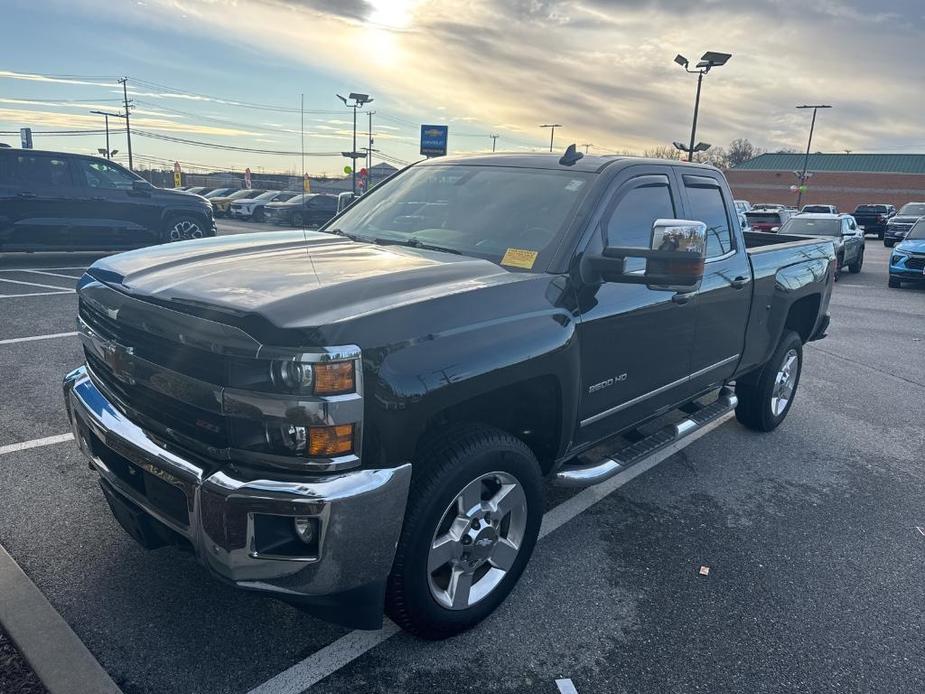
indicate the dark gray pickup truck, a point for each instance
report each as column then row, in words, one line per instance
column 361, row 419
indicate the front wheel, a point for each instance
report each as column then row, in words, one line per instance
column 766, row 396
column 182, row 228
column 855, row 267
column 257, row 216
column 473, row 517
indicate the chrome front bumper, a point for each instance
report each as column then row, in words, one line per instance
column 359, row 513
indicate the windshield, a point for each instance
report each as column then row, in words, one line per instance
column 917, row 232
column 267, row 196
column 878, row 209
column 509, row 215
column 762, row 217
column 913, row 208
column 246, row 193
column 816, row 208
column 283, row 197
column 218, row 192
column 812, row 227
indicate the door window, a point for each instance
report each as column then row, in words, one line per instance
column 40, row 170
column 707, row 206
column 99, row 174
column 630, row 223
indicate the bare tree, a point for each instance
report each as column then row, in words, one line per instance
column 663, row 152
column 741, row 150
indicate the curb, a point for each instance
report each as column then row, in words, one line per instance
column 56, row 654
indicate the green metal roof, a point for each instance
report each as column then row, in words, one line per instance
column 866, row 163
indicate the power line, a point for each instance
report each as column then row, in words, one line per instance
column 230, row 148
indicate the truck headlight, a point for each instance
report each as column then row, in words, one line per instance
column 331, row 378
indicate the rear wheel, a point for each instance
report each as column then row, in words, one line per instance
column 766, row 396
column 182, row 228
column 856, row 265
column 473, row 517
column 894, row 283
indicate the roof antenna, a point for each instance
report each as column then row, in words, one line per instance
column 571, row 156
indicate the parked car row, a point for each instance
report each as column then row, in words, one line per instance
column 283, row 207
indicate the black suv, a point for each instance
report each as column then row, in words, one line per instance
column 307, row 209
column 51, row 201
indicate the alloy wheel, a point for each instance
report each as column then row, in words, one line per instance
column 477, row 540
column 184, row 230
column 784, row 383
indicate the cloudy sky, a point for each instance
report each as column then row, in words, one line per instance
column 231, row 72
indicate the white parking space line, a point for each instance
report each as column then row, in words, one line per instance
column 36, row 269
column 329, row 659
column 53, row 274
column 348, row 648
column 33, row 338
column 36, row 284
column 35, row 443
column 63, row 292
column 566, row 687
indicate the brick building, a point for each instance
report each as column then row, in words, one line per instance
column 844, row 180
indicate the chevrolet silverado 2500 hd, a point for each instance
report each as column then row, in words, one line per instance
column 361, row 418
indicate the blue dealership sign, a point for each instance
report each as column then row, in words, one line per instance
column 433, row 140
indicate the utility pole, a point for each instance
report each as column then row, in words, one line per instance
column 587, row 146
column 302, row 142
column 128, row 129
column 369, row 147
column 552, row 132
column 494, row 139
column 809, row 144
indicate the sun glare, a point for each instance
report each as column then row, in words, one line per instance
column 392, row 14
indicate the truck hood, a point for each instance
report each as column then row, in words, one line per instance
column 294, row 280
column 905, row 219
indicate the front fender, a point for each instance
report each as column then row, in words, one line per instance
column 414, row 382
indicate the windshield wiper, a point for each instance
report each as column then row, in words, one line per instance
column 415, row 243
column 352, row 237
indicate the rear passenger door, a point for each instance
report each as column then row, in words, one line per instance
column 724, row 299
column 38, row 201
column 321, row 209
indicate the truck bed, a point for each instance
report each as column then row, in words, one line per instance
column 757, row 241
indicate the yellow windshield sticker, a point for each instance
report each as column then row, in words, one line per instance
column 517, row 257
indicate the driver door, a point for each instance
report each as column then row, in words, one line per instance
column 635, row 342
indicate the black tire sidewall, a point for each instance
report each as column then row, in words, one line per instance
column 765, row 385
column 428, row 500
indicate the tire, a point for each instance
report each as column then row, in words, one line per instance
column 839, row 264
column 894, row 283
column 182, row 227
column 297, row 219
column 766, row 396
column 889, row 243
column 855, row 267
column 880, row 235
column 258, row 215
column 427, row 592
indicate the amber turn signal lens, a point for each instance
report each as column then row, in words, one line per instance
column 334, row 378
column 330, row 441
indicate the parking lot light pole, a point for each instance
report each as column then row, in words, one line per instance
column 809, row 143
column 709, row 60
column 359, row 100
column 106, row 115
column 552, row 132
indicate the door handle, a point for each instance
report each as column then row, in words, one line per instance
column 27, row 196
column 683, row 298
column 739, row 282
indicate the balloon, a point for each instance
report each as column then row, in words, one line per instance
column 347, row 169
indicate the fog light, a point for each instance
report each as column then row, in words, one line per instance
column 306, row 528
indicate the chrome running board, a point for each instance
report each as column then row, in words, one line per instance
column 587, row 474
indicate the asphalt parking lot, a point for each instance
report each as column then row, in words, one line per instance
column 814, row 536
